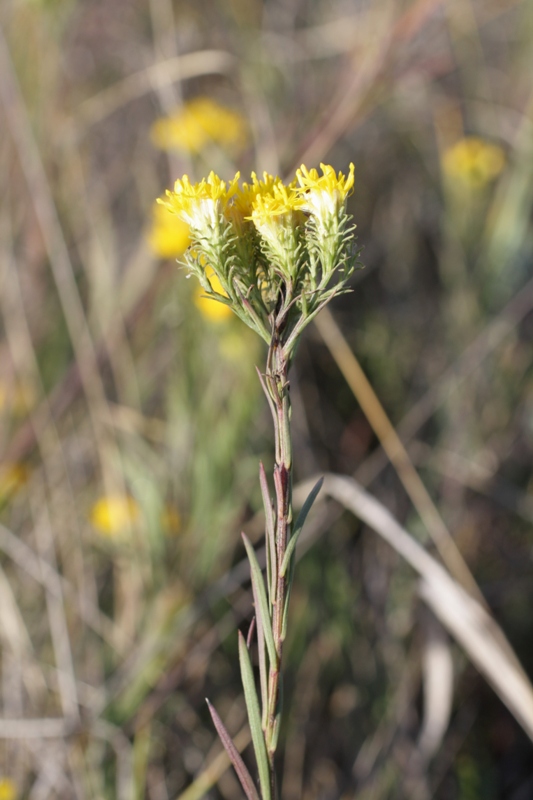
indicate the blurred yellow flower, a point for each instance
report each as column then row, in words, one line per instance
column 170, row 520
column 473, row 161
column 237, row 347
column 198, row 123
column 17, row 398
column 112, row 515
column 169, row 234
column 212, row 310
column 12, row 478
column 8, row 789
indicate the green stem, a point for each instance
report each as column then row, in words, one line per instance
column 278, row 387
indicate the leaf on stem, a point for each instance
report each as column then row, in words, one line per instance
column 261, row 610
column 268, row 397
column 287, row 601
column 262, row 662
column 234, row 756
column 274, row 734
column 254, row 718
column 298, row 526
column 270, row 534
column 250, row 634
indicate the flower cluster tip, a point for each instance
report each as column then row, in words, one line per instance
column 280, row 251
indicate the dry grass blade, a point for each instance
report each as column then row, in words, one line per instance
column 42, row 572
column 57, row 620
column 208, row 778
column 480, row 348
column 164, row 73
column 392, row 444
column 231, row 749
column 51, row 727
column 466, row 619
column 349, row 101
column 55, row 244
column 437, row 670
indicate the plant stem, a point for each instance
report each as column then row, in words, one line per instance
column 278, row 387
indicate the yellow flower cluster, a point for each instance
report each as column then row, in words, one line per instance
column 265, row 246
column 473, row 162
column 199, row 123
column 265, row 202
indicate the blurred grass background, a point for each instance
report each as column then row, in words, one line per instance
column 131, row 419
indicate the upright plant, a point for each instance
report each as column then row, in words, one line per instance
column 280, row 253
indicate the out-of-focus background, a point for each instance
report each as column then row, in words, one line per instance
column 132, row 421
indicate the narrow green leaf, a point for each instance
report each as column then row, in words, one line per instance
column 298, row 526
column 262, row 662
column 250, row 634
column 286, row 456
column 262, row 603
column 253, row 316
column 254, row 718
column 270, row 535
column 273, row 741
column 267, row 395
column 234, row 756
column 287, row 601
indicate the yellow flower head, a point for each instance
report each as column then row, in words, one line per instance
column 473, row 162
column 274, row 205
column 170, row 520
column 199, row 123
column 239, row 211
column 212, row 309
column 200, row 204
column 278, row 220
column 8, row 789
column 17, row 398
column 323, row 195
column 244, row 198
column 12, row 478
column 113, row 515
column 268, row 243
column 169, row 235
